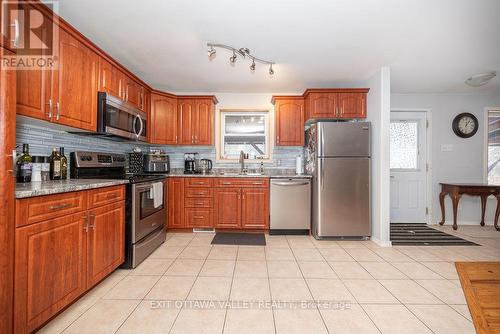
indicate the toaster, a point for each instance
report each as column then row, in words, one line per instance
column 156, row 163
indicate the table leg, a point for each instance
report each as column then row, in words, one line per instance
column 441, row 201
column 484, row 199
column 455, row 198
column 497, row 212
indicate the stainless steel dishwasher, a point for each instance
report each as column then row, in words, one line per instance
column 290, row 206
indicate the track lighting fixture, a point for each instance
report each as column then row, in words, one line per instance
column 232, row 59
column 243, row 52
column 211, row 53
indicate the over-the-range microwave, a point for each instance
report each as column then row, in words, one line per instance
column 117, row 118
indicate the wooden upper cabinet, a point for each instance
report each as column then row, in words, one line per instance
column 110, row 78
column 163, row 120
column 186, row 121
column 336, row 103
column 289, row 119
column 106, row 240
column 49, row 269
column 175, row 212
column 321, row 105
column 203, row 124
column 352, row 105
column 75, row 84
column 134, row 93
column 227, row 203
column 255, row 208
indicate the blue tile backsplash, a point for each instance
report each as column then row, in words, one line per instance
column 42, row 139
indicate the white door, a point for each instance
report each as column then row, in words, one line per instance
column 408, row 167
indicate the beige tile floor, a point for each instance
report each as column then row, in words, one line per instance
column 295, row 284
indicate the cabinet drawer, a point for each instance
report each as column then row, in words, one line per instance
column 198, row 192
column 37, row 209
column 198, row 217
column 202, row 202
column 103, row 196
column 242, row 182
column 198, row 182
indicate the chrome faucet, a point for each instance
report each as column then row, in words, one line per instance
column 242, row 162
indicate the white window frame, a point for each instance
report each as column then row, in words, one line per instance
column 219, row 147
column 487, row 111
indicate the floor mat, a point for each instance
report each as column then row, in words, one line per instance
column 245, row 239
column 481, row 284
column 423, row 235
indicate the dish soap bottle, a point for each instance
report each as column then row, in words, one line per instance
column 64, row 164
column 55, row 165
column 24, row 165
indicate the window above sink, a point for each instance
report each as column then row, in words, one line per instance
column 244, row 130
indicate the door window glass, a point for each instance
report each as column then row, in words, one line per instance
column 404, row 145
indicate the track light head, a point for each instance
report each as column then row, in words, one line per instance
column 271, row 71
column 211, row 53
column 232, row 59
column 252, row 67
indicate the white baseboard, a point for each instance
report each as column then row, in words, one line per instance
column 381, row 243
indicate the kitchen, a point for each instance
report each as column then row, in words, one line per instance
column 134, row 194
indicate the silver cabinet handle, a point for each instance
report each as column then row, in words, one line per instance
column 13, row 155
column 50, row 108
column 176, row 139
column 58, row 111
column 192, row 139
column 60, row 206
column 195, row 139
column 86, row 223
column 15, row 40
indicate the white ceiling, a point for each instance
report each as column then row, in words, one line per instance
column 432, row 46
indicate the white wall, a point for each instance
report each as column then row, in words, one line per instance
column 378, row 113
column 466, row 162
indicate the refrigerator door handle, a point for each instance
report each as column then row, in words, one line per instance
column 322, row 176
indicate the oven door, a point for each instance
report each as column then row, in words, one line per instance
column 145, row 217
column 119, row 118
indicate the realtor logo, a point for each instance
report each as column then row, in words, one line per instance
column 31, row 32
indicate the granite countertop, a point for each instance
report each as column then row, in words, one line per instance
column 269, row 173
column 32, row 189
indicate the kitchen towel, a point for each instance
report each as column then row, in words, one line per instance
column 157, row 194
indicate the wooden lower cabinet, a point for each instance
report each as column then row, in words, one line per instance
column 49, row 269
column 198, row 217
column 175, row 210
column 61, row 257
column 227, row 207
column 106, row 241
column 255, row 208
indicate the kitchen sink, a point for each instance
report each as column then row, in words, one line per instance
column 240, row 174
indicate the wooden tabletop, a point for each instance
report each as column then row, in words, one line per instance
column 482, row 185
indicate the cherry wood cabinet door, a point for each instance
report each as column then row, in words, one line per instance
column 175, row 218
column 186, row 121
column 321, row 105
column 203, row 122
column 352, row 105
column 289, row 122
column 34, row 89
column 255, row 208
column 134, row 93
column 49, row 269
column 110, row 78
column 7, row 180
column 227, row 207
column 163, row 120
column 198, row 218
column 105, row 241
column 75, row 84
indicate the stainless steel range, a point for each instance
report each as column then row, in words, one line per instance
column 146, row 215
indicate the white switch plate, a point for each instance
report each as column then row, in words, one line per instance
column 447, row 148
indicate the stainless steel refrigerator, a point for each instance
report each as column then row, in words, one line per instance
column 338, row 158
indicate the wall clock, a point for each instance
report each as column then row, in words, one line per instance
column 465, row 125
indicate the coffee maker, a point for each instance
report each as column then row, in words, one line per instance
column 191, row 163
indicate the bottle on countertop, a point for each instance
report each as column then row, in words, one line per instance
column 55, row 165
column 64, row 164
column 24, row 165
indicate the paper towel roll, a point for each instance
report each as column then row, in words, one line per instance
column 299, row 166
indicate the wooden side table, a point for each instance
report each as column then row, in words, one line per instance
column 456, row 190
